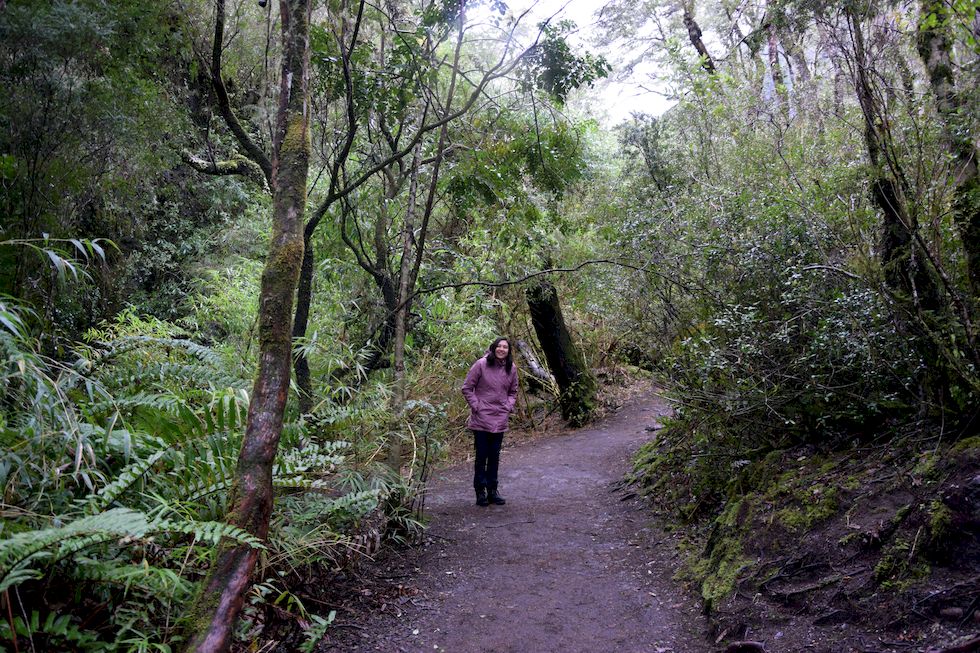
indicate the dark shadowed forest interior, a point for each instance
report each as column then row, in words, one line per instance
column 250, row 248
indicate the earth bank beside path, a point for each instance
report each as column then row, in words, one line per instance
column 567, row 565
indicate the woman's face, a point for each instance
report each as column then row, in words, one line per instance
column 501, row 350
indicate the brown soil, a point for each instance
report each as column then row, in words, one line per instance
column 571, row 563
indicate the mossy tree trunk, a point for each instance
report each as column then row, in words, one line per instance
column 908, row 272
column 935, row 45
column 575, row 381
column 250, row 498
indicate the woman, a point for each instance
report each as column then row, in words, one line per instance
column 491, row 391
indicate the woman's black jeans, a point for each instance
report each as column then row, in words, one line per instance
column 487, row 447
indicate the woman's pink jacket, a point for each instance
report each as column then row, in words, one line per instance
column 491, row 393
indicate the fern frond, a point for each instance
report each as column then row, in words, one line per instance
column 356, row 504
column 209, row 531
column 125, row 344
column 107, row 495
column 155, row 581
column 300, row 483
column 51, row 544
column 193, row 375
column 321, row 458
column 164, row 403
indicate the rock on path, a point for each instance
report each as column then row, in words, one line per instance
column 566, row 565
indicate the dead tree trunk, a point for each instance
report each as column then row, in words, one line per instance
column 250, row 498
column 576, row 383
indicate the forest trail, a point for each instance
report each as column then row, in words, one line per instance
column 569, row 564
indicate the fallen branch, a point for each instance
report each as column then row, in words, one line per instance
column 972, row 646
column 746, row 647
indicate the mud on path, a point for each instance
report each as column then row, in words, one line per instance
column 569, row 564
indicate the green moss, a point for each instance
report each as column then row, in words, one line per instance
column 783, row 486
column 849, row 539
column 966, row 445
column 899, row 567
column 851, row 483
column 828, row 467
column 724, row 560
column 926, row 466
column 756, row 476
column 942, row 536
column 821, row 505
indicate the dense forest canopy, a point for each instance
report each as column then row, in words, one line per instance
column 286, row 229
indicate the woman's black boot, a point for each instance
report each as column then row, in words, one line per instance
column 493, row 497
column 481, row 497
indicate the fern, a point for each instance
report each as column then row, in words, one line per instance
column 316, row 631
column 124, row 344
column 24, row 550
column 166, row 584
column 356, row 504
column 300, row 483
column 56, row 631
column 51, row 544
column 107, row 495
column 209, row 531
column 164, row 403
column 321, row 458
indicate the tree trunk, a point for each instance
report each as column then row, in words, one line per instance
column 400, row 391
column 304, row 297
column 694, row 34
column 250, row 497
column 934, row 45
column 779, row 94
column 905, row 266
column 576, row 383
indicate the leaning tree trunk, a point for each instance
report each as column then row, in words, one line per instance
column 694, row 34
column 576, row 383
column 250, row 497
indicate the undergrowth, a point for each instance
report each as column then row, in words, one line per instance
column 114, row 472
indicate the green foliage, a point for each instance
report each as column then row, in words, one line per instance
column 554, row 68
column 316, row 631
column 899, row 567
column 156, row 422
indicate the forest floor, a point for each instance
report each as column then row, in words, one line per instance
column 572, row 563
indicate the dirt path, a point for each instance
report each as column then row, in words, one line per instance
column 567, row 565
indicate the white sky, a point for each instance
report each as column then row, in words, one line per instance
column 612, row 100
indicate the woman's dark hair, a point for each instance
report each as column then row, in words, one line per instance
column 492, row 356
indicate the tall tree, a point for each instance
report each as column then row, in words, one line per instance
column 935, row 46
column 250, row 497
column 904, row 260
